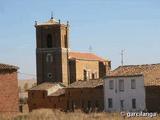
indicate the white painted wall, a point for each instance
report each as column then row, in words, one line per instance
column 126, row 95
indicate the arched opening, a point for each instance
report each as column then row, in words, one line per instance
column 49, row 41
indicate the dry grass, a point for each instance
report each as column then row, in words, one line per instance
column 46, row 114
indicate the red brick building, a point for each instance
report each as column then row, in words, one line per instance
column 84, row 95
column 8, row 89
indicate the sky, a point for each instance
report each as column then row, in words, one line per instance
column 108, row 26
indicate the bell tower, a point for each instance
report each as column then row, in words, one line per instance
column 52, row 51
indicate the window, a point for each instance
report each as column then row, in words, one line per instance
column 49, row 41
column 85, row 74
column 110, row 103
column 49, row 58
column 134, row 103
column 122, row 104
column 121, row 85
column 133, row 84
column 93, row 76
column 49, row 75
column 111, row 85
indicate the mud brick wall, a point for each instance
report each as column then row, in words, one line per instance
column 8, row 91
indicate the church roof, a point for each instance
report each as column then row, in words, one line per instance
column 8, row 67
column 86, row 84
column 85, row 56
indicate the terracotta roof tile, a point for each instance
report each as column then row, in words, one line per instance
column 86, row 84
column 134, row 69
column 85, row 56
column 151, row 72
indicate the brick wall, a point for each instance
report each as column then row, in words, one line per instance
column 153, row 98
column 79, row 97
column 8, row 91
column 86, row 99
column 38, row 99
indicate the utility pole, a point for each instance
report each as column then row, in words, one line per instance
column 90, row 49
column 122, row 57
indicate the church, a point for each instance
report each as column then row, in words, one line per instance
column 59, row 69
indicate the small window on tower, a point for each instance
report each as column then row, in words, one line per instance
column 49, row 75
column 49, row 58
column 49, row 41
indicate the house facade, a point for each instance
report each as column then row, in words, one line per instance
column 145, row 96
column 124, row 93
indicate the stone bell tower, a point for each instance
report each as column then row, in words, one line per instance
column 52, row 51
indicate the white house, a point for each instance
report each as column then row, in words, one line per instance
column 133, row 88
column 124, row 93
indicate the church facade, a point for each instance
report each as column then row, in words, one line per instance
column 65, row 78
column 55, row 63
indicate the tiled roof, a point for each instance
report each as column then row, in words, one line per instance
column 47, row 85
column 86, row 84
column 7, row 67
column 58, row 92
column 134, row 69
column 85, row 56
column 151, row 72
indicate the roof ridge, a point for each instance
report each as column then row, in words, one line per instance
column 86, row 55
column 140, row 65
